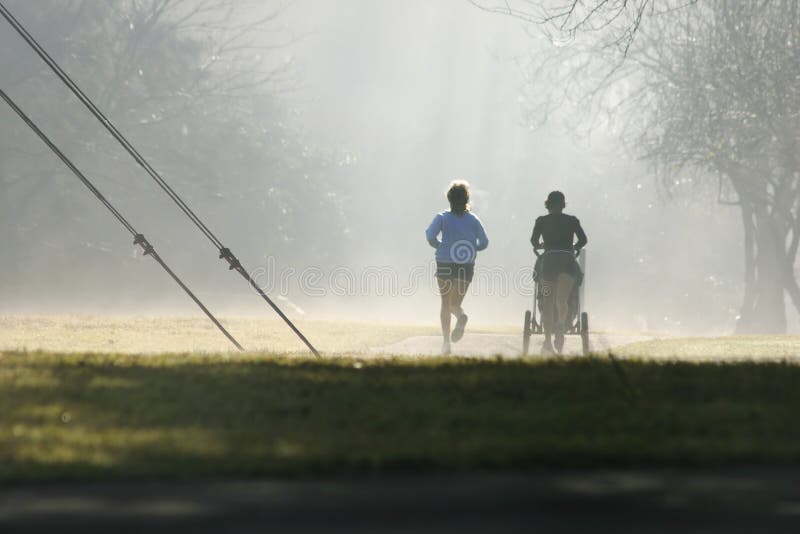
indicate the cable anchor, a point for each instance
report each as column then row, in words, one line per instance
column 141, row 240
column 226, row 254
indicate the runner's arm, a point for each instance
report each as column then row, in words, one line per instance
column 432, row 233
column 582, row 240
column 536, row 238
column 482, row 241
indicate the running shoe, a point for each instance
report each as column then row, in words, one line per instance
column 458, row 331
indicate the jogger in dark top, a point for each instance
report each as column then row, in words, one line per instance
column 556, row 233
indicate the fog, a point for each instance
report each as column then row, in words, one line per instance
column 380, row 105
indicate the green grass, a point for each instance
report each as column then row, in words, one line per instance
column 76, row 416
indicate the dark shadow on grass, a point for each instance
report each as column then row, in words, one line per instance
column 194, row 416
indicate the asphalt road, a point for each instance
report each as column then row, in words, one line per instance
column 757, row 500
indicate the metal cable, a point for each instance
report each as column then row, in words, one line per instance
column 224, row 252
column 138, row 239
column 86, row 101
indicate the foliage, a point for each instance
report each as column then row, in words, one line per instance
column 196, row 85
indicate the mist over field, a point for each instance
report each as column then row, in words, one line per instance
column 236, row 278
column 323, row 176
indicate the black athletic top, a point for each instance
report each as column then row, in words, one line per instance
column 558, row 231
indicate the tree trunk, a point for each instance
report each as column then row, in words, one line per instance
column 764, row 309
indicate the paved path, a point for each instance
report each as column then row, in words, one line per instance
column 483, row 345
column 727, row 501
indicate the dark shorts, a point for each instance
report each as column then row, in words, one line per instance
column 549, row 266
column 455, row 271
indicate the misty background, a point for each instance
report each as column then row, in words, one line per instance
column 325, row 139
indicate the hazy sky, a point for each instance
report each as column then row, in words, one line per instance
column 421, row 92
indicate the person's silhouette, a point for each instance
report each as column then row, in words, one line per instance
column 462, row 236
column 558, row 271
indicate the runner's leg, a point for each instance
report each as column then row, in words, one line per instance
column 548, row 313
column 457, row 297
column 445, row 291
column 563, row 289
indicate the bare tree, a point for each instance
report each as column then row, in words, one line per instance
column 612, row 23
column 704, row 90
column 722, row 103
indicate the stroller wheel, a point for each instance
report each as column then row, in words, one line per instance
column 526, row 333
column 585, row 332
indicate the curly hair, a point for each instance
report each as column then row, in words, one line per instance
column 458, row 196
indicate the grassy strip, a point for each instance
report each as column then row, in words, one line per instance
column 715, row 348
column 138, row 334
column 100, row 416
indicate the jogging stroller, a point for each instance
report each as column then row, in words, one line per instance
column 577, row 319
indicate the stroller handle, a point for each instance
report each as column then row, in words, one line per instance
column 537, row 251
